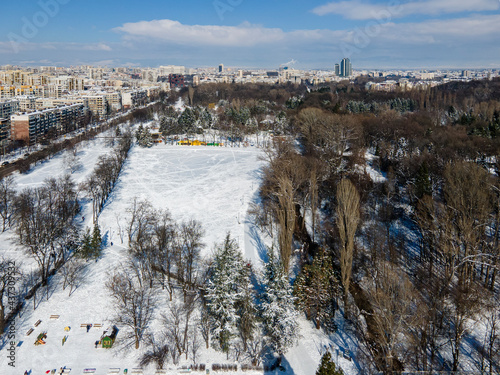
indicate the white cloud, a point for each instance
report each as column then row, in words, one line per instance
column 97, row 47
column 166, row 30
column 360, row 10
column 141, row 34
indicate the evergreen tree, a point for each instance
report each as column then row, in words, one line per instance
column 85, row 250
column 91, row 244
column 144, row 137
column 316, row 289
column 227, row 293
column 327, row 366
column 423, row 184
column 139, row 132
column 277, row 308
column 96, row 242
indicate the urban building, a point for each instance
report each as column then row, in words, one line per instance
column 134, row 98
column 97, row 104
column 30, row 127
column 176, row 80
column 345, row 68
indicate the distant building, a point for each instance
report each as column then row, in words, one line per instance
column 176, row 80
column 171, row 69
column 345, row 68
column 337, row 70
column 221, row 68
column 133, row 98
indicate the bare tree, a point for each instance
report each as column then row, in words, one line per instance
column 157, row 353
column 467, row 196
column 44, row 219
column 206, row 325
column 177, row 322
column 393, row 302
column 134, row 303
column 72, row 161
column 71, row 272
column 347, row 223
column 465, row 304
column 190, row 236
column 285, row 213
column 194, row 344
column 7, row 197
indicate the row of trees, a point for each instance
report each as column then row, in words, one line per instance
column 103, row 179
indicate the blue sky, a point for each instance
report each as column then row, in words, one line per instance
column 252, row 33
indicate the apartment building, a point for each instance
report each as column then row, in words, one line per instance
column 31, row 126
column 134, row 98
column 7, row 108
column 97, row 103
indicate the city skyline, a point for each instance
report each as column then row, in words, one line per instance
column 372, row 34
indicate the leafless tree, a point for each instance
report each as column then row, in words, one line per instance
column 71, row 272
column 7, row 197
column 157, row 353
column 44, row 216
column 190, row 236
column 347, row 223
column 206, row 325
column 194, row 344
column 285, row 213
column 465, row 304
column 393, row 301
column 178, row 325
column 467, row 196
column 134, row 303
column 72, row 161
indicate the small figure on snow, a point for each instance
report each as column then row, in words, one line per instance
column 88, row 327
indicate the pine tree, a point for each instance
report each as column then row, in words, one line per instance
column 277, row 308
column 316, row 289
column 327, row 366
column 96, row 241
column 85, row 250
column 423, row 184
column 227, row 293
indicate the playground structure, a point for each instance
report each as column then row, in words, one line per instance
column 108, row 338
column 187, row 142
column 40, row 340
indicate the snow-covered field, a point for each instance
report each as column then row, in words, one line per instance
column 212, row 185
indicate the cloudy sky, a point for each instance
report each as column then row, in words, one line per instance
column 252, row 33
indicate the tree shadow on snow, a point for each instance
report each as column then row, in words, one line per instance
column 284, row 369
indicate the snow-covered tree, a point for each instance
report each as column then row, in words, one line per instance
column 143, row 136
column 277, row 306
column 226, row 292
column 327, row 366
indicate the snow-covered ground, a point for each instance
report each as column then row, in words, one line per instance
column 212, row 185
